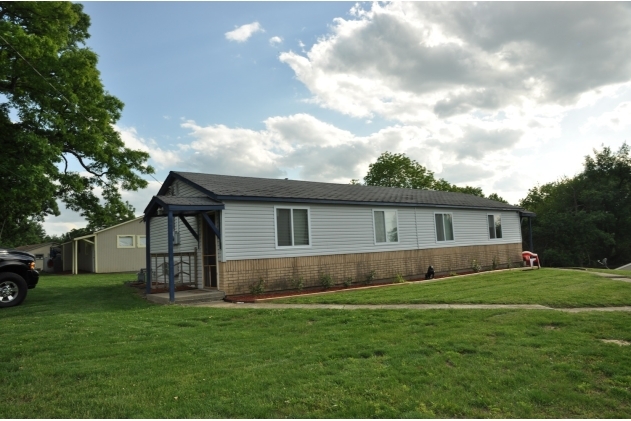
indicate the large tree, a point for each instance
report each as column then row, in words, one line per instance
column 399, row 170
column 57, row 139
column 586, row 218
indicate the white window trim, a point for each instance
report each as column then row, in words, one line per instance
column 138, row 241
column 453, row 226
column 374, row 230
column 487, row 226
column 133, row 240
column 292, row 227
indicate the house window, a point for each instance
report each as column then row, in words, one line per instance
column 292, row 227
column 125, row 241
column 444, row 226
column 386, row 226
column 141, row 241
column 495, row 226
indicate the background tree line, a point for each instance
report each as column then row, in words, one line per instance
column 579, row 221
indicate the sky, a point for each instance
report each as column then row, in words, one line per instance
column 502, row 96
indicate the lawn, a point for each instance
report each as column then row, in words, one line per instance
column 551, row 287
column 89, row 347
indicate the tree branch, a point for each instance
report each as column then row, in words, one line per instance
column 85, row 167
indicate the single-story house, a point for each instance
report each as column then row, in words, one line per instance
column 119, row 248
column 227, row 232
column 44, row 253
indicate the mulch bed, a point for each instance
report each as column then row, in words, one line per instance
column 250, row 298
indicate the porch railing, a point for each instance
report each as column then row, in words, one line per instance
column 184, row 273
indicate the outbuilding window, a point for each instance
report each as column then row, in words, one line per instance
column 495, row 226
column 386, row 226
column 292, row 227
column 125, row 241
column 142, row 241
column 444, row 226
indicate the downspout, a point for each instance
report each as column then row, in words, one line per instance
column 171, row 264
column 148, row 254
column 96, row 255
column 75, row 256
column 530, row 233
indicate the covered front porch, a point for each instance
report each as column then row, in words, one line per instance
column 166, row 266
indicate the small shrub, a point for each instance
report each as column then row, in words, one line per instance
column 476, row 266
column 326, row 281
column 509, row 264
column 494, row 263
column 298, row 283
column 452, row 273
column 371, row 276
column 348, row 282
column 258, row 287
column 399, row 279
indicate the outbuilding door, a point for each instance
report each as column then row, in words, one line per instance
column 209, row 253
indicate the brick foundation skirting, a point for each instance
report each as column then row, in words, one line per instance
column 236, row 276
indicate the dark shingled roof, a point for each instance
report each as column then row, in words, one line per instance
column 222, row 187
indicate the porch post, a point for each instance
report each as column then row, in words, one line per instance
column 148, row 254
column 171, row 265
column 530, row 232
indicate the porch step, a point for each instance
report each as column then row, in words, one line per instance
column 191, row 296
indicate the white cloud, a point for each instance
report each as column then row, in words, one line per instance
column 315, row 150
column 274, row 41
column 489, row 76
column 162, row 158
column 244, row 32
column 617, row 119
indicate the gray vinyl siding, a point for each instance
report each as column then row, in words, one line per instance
column 188, row 243
column 185, row 190
column 470, row 228
column 249, row 231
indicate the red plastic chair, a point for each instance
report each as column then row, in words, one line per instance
column 530, row 258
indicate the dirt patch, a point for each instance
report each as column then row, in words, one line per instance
column 616, row 341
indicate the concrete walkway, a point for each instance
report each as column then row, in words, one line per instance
column 268, row 306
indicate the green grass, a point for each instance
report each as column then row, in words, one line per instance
column 551, row 287
column 88, row 347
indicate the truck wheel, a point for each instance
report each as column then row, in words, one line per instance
column 13, row 289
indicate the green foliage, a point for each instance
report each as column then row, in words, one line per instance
column 399, row 279
column 494, row 263
column 585, row 218
column 497, row 198
column 58, row 127
column 348, row 282
column 258, row 287
column 475, row 266
column 298, row 283
column 326, row 281
column 398, row 170
column 370, row 277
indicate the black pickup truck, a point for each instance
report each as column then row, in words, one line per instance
column 17, row 276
